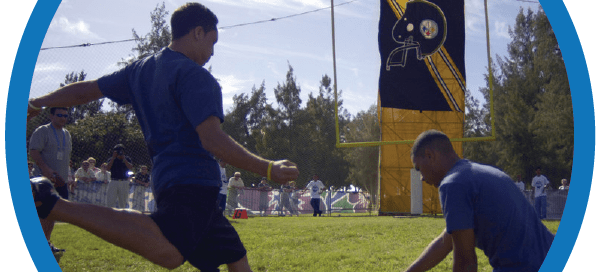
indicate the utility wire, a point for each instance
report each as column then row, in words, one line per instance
column 284, row 17
column 86, row 44
column 224, row 27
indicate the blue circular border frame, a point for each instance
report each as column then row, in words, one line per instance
column 15, row 133
column 584, row 148
column 583, row 113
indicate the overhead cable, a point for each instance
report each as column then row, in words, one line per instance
column 285, row 17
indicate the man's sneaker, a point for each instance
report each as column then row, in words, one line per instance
column 55, row 249
column 44, row 195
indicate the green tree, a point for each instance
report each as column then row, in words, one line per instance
column 478, row 124
column 158, row 37
column 86, row 110
column 533, row 108
column 553, row 125
column 318, row 129
column 247, row 117
column 364, row 161
column 516, row 98
column 154, row 41
column 96, row 136
column 285, row 138
column 288, row 98
column 246, row 123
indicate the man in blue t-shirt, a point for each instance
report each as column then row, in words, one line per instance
column 179, row 106
column 482, row 208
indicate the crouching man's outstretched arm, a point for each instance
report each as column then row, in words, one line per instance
column 435, row 252
column 463, row 244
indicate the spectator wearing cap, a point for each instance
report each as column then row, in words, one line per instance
column 236, row 187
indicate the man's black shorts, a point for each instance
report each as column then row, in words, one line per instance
column 189, row 217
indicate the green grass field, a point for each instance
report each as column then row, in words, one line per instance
column 303, row 243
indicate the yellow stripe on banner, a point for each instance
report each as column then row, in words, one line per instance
column 449, row 82
column 458, row 75
column 398, row 6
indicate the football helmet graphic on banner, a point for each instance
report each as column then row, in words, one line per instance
column 421, row 29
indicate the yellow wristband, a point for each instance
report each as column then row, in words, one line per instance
column 269, row 170
column 33, row 107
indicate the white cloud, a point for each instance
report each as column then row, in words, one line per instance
column 265, row 51
column 311, row 3
column 273, row 67
column 230, row 84
column 308, row 88
column 113, row 67
column 79, row 28
column 49, row 67
column 279, row 4
column 501, row 29
column 475, row 17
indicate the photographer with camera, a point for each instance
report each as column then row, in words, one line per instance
column 118, row 188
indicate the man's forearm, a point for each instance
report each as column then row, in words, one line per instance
column 230, row 151
column 433, row 254
column 39, row 161
column 74, row 94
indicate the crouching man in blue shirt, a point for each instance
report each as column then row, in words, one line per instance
column 482, row 208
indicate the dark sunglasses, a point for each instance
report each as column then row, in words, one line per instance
column 62, row 115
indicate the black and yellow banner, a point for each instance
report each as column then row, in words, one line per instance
column 422, row 47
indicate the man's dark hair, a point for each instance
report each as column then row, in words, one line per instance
column 190, row 16
column 432, row 138
column 53, row 110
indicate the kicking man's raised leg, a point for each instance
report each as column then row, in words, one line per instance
column 128, row 229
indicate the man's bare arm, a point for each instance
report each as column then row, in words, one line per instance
column 74, row 94
column 39, row 161
column 465, row 258
column 217, row 142
column 435, row 252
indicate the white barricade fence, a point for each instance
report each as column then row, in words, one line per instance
column 555, row 199
column 139, row 197
column 282, row 203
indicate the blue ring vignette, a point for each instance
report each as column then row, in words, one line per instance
column 583, row 113
column 18, row 94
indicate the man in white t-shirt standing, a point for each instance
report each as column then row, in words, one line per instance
column 316, row 188
column 540, row 183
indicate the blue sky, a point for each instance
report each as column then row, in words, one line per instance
column 247, row 55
